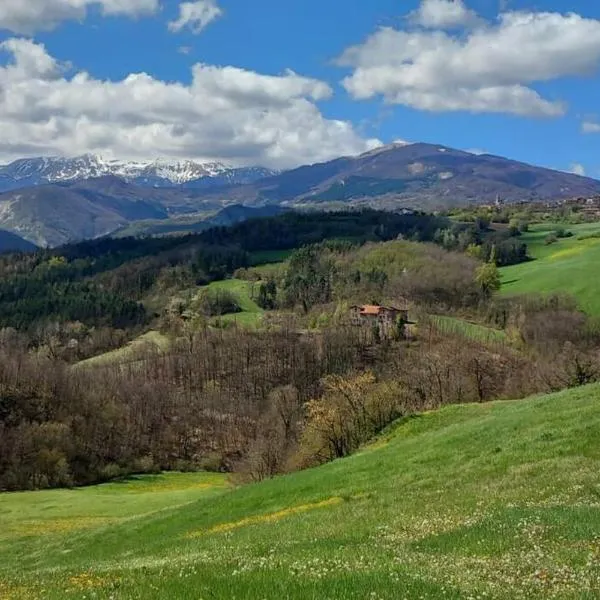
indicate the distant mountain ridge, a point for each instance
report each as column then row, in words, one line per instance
column 56, row 214
column 9, row 242
column 27, row 172
column 230, row 215
column 419, row 175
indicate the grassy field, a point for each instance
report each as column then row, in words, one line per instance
column 472, row 331
column 251, row 314
column 151, row 339
column 570, row 265
column 498, row 500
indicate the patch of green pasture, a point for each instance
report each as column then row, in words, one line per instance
column 570, row 265
column 244, row 291
column 50, row 513
column 535, row 238
column 151, row 339
column 473, row 331
column 243, row 319
column 499, row 500
column 267, row 270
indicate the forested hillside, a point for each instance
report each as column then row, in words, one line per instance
column 292, row 384
column 101, row 283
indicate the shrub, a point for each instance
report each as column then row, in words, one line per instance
column 110, row 471
column 214, row 303
column 348, row 414
column 561, row 232
column 267, row 295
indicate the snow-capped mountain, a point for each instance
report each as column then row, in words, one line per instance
column 27, row 172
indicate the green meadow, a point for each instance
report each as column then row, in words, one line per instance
column 498, row 500
column 473, row 331
column 569, row 265
column 150, row 339
column 251, row 314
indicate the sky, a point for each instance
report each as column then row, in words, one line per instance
column 283, row 83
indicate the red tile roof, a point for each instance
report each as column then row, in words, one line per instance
column 370, row 309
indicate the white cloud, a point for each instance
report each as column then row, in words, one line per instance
column 577, row 169
column 29, row 16
column 490, row 69
column 444, row 14
column 590, row 127
column 225, row 113
column 196, row 15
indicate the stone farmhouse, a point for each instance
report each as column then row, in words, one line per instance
column 384, row 317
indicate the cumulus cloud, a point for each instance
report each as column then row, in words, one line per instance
column 28, row 16
column 196, row 15
column 489, row 69
column 590, row 127
column 577, row 169
column 224, row 113
column 444, row 14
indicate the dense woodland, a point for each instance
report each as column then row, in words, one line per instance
column 101, row 283
column 304, row 387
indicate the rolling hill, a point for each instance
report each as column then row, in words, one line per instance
column 416, row 175
column 495, row 500
column 569, row 265
column 55, row 214
column 196, row 223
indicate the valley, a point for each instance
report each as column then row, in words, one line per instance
column 200, row 413
column 299, row 300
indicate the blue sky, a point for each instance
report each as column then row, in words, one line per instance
column 464, row 86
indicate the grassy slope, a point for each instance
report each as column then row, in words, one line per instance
column 570, row 265
column 251, row 314
column 129, row 351
column 473, row 331
column 501, row 499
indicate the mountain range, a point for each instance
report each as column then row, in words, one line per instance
column 27, row 172
column 54, row 201
column 422, row 176
column 56, row 214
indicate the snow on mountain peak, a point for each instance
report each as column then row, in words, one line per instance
column 159, row 172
